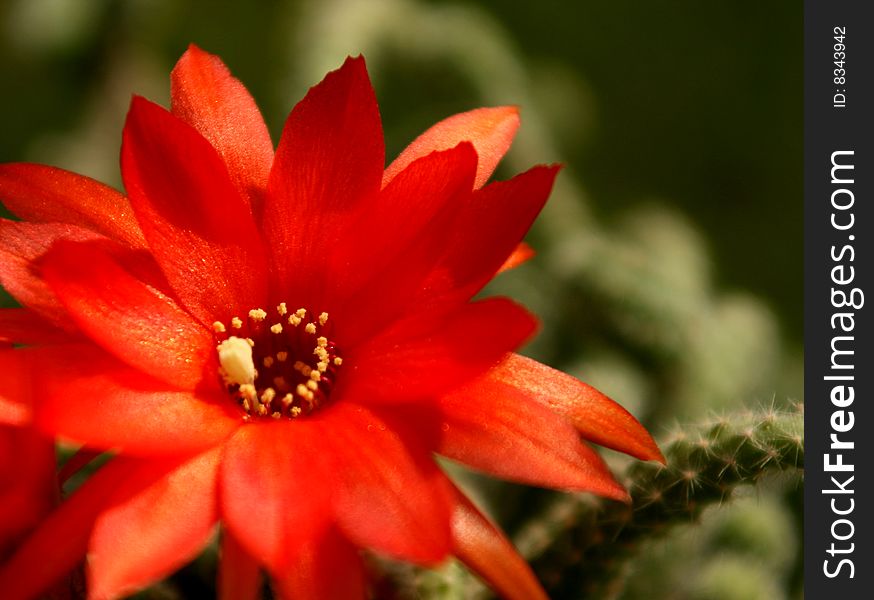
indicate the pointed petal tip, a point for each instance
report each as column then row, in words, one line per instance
column 490, row 129
column 355, row 63
column 522, row 254
column 639, row 443
column 138, row 106
column 192, row 53
column 598, row 418
column 656, row 454
column 616, row 492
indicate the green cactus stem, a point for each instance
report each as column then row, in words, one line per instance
column 580, row 545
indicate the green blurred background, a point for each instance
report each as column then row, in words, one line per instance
column 669, row 270
column 696, row 104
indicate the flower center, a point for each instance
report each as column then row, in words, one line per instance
column 282, row 366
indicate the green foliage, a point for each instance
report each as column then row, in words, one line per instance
column 584, row 547
column 588, row 543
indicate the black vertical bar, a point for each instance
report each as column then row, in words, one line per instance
column 839, row 227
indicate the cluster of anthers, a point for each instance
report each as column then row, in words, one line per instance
column 283, row 367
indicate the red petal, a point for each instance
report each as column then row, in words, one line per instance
column 199, row 228
column 491, row 130
column 51, row 195
column 391, row 497
column 206, row 96
column 432, row 354
column 27, row 483
column 522, row 254
column 60, row 541
column 87, row 396
column 16, row 392
column 239, row 575
column 275, row 494
column 597, row 417
column 22, row 326
column 327, row 568
column 330, row 157
column 131, row 319
column 382, row 277
column 21, row 247
column 495, row 428
column 489, row 230
column 483, row 548
column 153, row 531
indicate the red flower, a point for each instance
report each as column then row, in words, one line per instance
column 281, row 343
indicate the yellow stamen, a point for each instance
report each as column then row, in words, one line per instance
column 268, row 395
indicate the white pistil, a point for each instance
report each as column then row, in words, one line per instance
column 235, row 358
